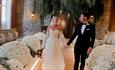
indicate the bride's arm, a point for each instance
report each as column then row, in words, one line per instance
column 62, row 40
column 45, row 39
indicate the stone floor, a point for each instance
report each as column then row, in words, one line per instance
column 69, row 60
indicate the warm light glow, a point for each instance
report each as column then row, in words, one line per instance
column 91, row 16
column 33, row 15
column 68, row 14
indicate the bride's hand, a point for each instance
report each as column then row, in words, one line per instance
column 66, row 46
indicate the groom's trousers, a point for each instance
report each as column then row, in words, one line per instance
column 80, row 55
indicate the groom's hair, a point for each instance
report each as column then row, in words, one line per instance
column 86, row 14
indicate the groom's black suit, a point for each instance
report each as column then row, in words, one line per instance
column 84, row 41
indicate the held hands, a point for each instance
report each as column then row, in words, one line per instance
column 66, row 46
column 89, row 50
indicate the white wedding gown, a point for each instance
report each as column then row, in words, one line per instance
column 53, row 58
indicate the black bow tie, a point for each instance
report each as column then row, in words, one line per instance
column 83, row 23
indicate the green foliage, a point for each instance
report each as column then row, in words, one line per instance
column 74, row 7
column 38, row 6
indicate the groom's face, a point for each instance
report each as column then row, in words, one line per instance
column 82, row 18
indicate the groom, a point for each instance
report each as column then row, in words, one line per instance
column 85, row 41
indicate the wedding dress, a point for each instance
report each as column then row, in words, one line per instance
column 53, row 58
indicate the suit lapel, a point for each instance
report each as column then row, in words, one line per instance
column 87, row 28
column 80, row 29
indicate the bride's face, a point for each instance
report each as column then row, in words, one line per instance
column 63, row 24
column 59, row 24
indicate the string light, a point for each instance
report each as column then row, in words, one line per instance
column 33, row 14
column 92, row 16
column 61, row 11
column 34, row 8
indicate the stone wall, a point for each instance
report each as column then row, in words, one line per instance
column 103, row 23
column 31, row 25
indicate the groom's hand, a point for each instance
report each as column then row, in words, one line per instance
column 66, row 46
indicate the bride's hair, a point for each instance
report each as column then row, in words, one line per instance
column 53, row 21
column 57, row 23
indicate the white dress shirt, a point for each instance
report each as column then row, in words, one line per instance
column 83, row 28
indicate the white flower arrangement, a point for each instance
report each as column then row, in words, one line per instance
column 102, row 66
column 99, row 42
column 39, row 35
column 31, row 42
column 19, row 51
column 2, row 68
column 3, row 52
column 102, row 58
column 110, row 38
column 14, row 64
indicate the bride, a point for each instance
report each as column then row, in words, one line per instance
column 53, row 58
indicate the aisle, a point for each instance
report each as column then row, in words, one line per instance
column 69, row 60
column 68, row 54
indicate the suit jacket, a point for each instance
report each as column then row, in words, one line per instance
column 85, row 40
